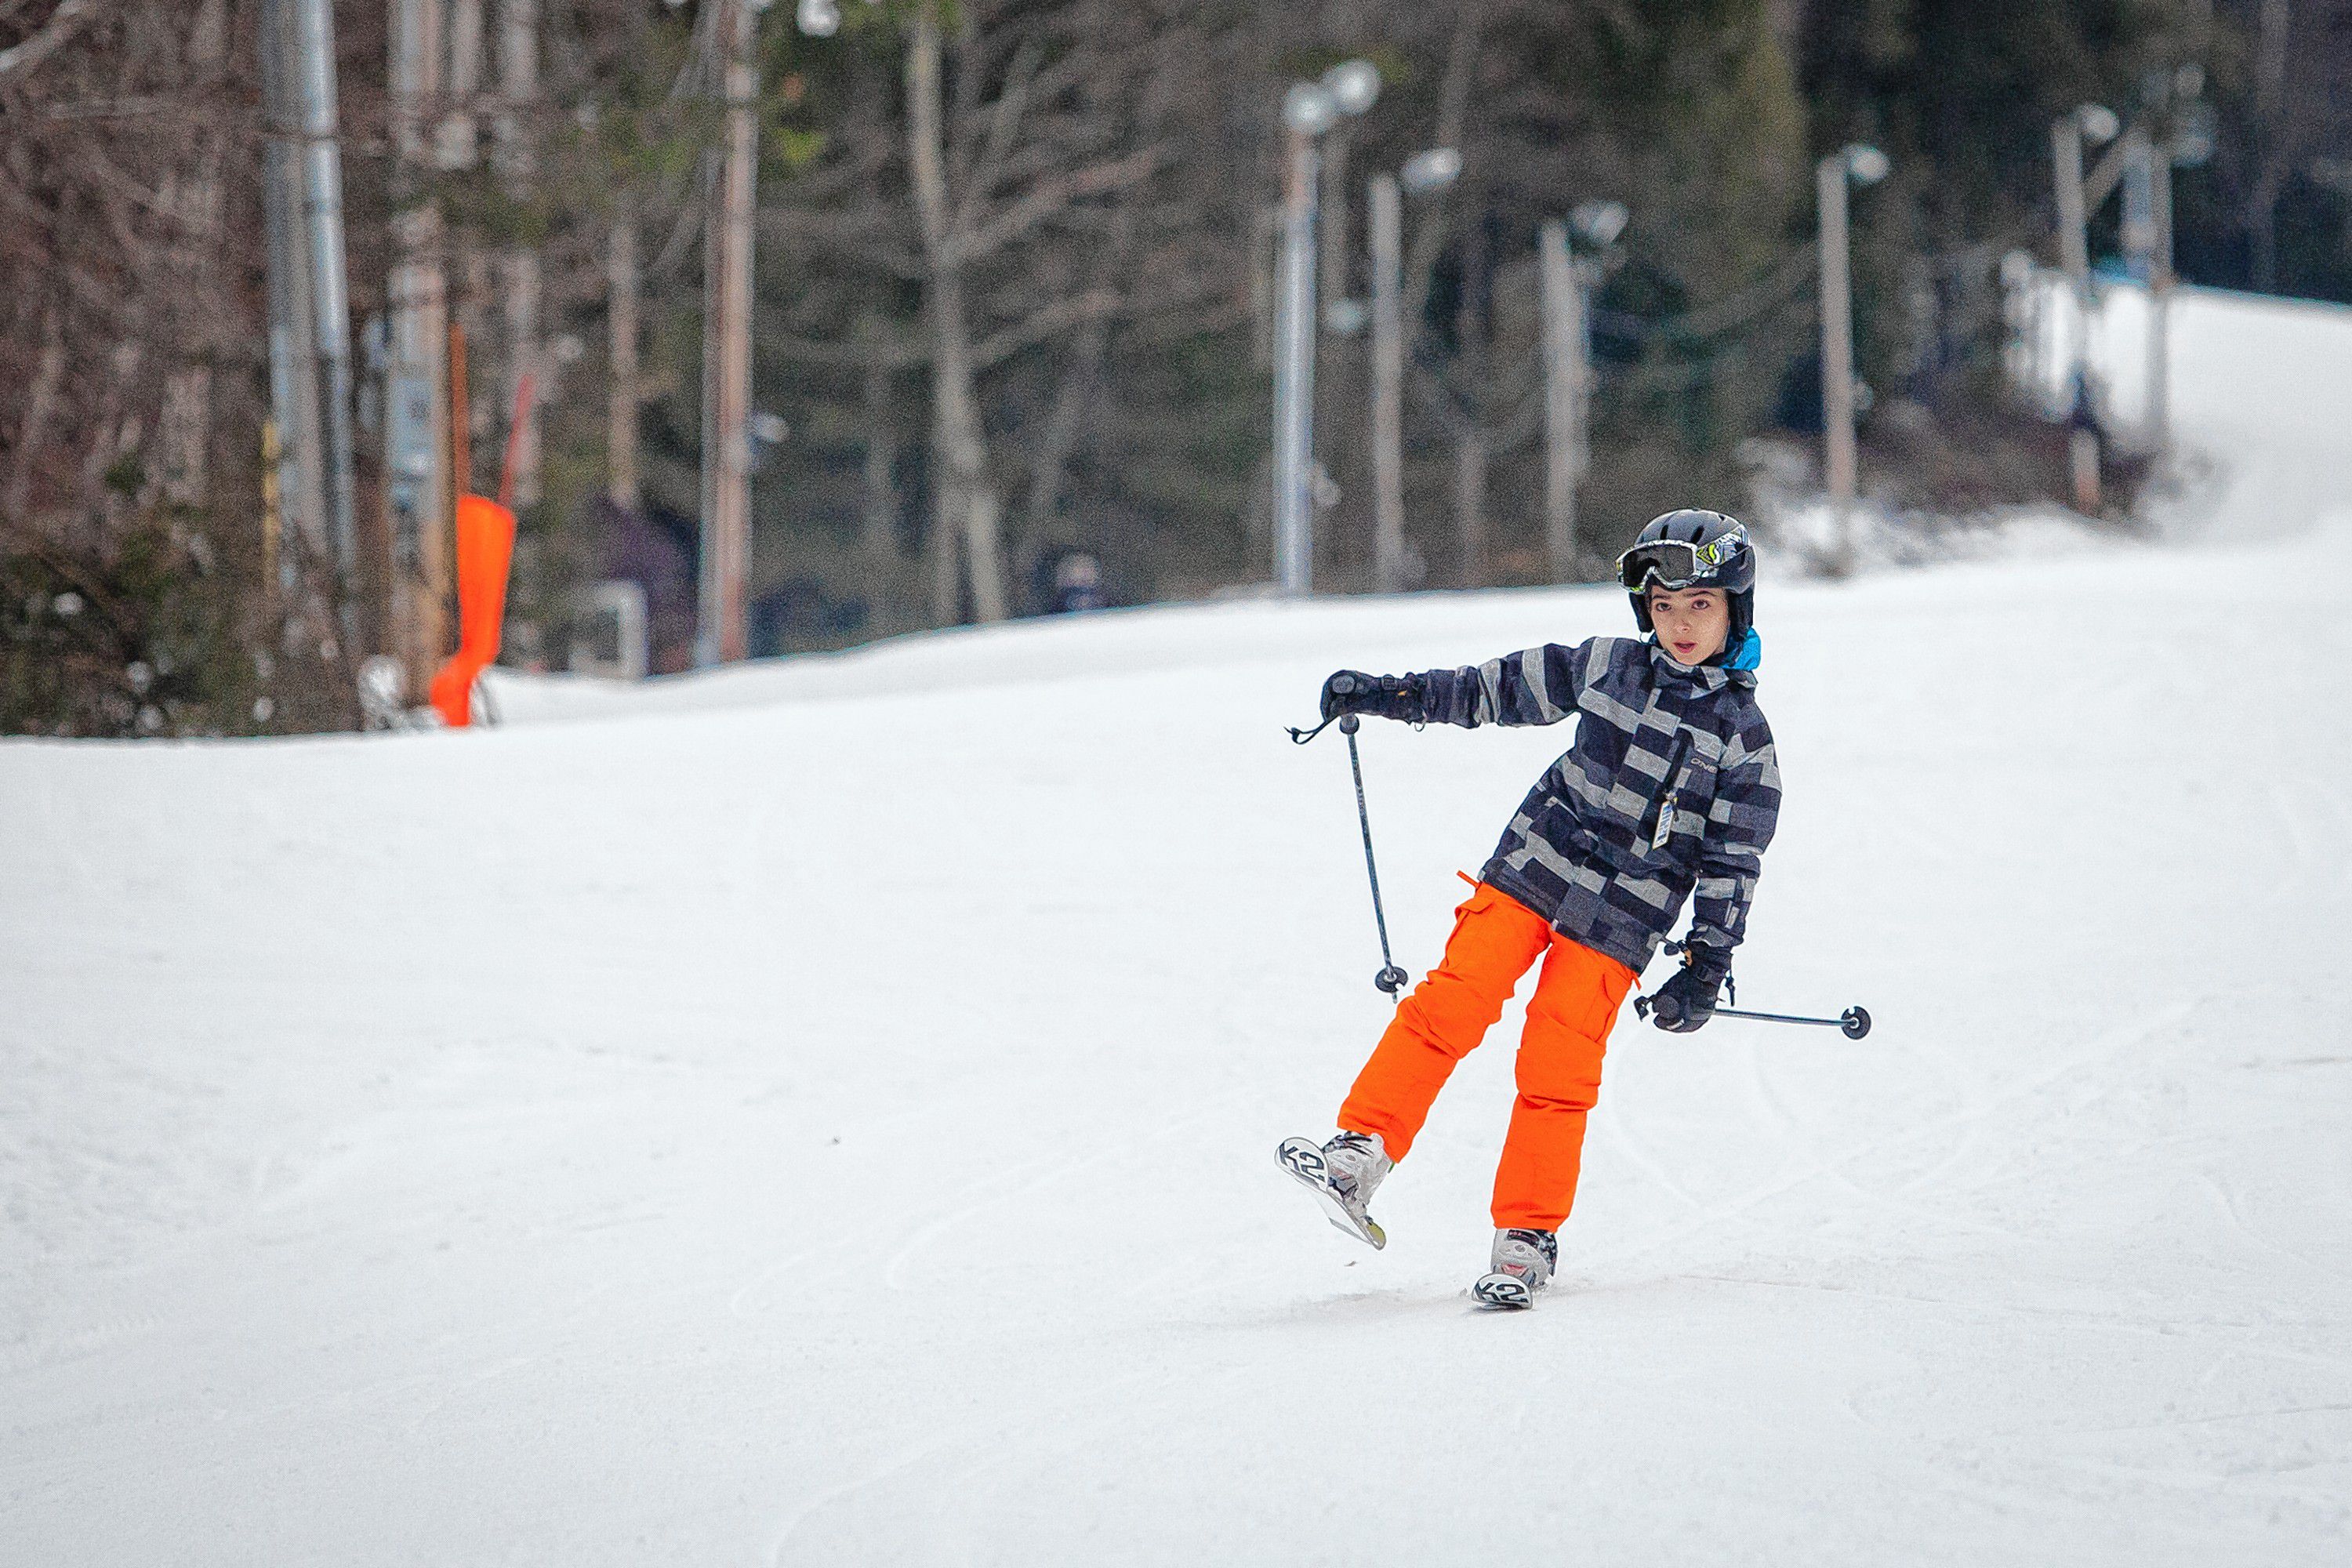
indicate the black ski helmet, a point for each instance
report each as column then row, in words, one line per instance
column 1689, row 549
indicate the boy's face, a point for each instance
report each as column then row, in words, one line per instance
column 1692, row 623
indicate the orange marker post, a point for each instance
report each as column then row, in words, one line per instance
column 486, row 534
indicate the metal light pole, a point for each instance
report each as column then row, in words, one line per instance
column 2144, row 170
column 1564, row 395
column 1294, row 363
column 1863, row 165
column 1423, row 173
column 1386, row 224
column 2159, row 301
column 323, row 215
column 310, row 303
column 1309, row 109
column 1568, row 372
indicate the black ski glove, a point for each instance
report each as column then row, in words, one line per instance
column 1688, row 998
column 1403, row 697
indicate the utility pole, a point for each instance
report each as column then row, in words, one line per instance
column 416, row 426
column 1568, row 381
column 721, row 635
column 1866, row 165
column 1387, row 224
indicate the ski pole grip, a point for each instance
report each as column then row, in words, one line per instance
column 1349, row 723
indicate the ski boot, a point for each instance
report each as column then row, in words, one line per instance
column 1521, row 1266
column 1341, row 1174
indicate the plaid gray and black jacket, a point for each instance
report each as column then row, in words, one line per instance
column 1671, row 788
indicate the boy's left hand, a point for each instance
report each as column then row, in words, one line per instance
column 1687, row 1000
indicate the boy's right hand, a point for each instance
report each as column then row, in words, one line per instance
column 1401, row 697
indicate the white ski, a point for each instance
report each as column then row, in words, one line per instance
column 1302, row 1158
column 1502, row 1292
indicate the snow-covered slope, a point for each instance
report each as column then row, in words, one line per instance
column 2261, row 403
column 840, row 1130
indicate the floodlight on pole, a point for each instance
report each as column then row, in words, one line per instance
column 1599, row 223
column 1354, row 86
column 1429, row 172
column 819, row 18
column 1867, row 164
column 1309, row 110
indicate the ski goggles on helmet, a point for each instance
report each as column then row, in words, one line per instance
column 1672, row 564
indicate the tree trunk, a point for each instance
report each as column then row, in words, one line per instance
column 458, row 134
column 47, row 379
column 880, row 533
column 966, row 494
column 185, row 432
column 621, row 329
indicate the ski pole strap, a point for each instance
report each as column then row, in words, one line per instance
column 1300, row 737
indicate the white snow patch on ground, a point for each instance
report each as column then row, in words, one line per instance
column 760, row 1129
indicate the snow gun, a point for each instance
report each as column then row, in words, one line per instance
column 1854, row 1021
column 1391, row 979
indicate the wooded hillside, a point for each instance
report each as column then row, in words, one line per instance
column 1015, row 294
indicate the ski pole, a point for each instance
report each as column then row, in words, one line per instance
column 1854, row 1021
column 1391, row 979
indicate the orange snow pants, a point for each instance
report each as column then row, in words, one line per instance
column 1496, row 940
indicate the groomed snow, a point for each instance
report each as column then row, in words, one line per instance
column 833, row 1123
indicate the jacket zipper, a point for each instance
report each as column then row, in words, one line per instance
column 1663, row 828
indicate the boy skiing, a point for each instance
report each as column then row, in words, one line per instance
column 1671, row 790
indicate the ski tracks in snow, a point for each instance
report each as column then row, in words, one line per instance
column 1835, row 1163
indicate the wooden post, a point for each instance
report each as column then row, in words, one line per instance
column 621, row 324
column 461, row 438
